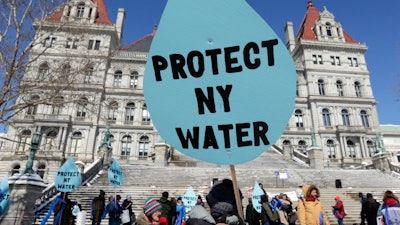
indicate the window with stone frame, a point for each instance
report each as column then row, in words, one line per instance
column 298, row 115
column 76, row 143
column 24, row 141
column 364, row 118
column 144, row 147
column 371, row 148
column 130, row 112
column 321, row 87
column 351, row 149
column 345, row 117
column 126, row 145
column 331, row 149
column 326, row 117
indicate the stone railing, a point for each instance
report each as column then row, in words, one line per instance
column 394, row 168
column 301, row 156
column 50, row 192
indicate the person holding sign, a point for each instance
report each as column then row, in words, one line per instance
column 97, row 208
column 114, row 211
column 62, row 210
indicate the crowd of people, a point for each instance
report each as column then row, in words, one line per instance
column 221, row 209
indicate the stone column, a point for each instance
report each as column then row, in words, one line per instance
column 381, row 161
column 25, row 189
column 316, row 157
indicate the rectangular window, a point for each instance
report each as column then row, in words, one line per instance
column 317, row 59
column 94, row 45
column 71, row 43
column 355, row 62
column 97, row 45
column 320, row 59
column 50, row 42
column 133, row 82
column 337, row 61
column 117, row 80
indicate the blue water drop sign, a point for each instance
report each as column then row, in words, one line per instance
column 68, row 177
column 4, row 195
column 115, row 175
column 219, row 83
column 189, row 199
column 256, row 197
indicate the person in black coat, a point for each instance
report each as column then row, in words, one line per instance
column 369, row 210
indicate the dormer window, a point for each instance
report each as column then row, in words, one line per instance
column 80, row 10
column 328, row 29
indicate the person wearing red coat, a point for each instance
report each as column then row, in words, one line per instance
column 338, row 210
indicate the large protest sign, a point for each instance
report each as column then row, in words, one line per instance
column 115, row 175
column 68, row 177
column 189, row 199
column 4, row 195
column 219, row 83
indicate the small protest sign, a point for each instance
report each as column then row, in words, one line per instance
column 68, row 177
column 4, row 195
column 256, row 197
column 189, row 199
column 115, row 175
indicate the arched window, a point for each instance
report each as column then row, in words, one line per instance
column 339, row 86
column 286, row 142
column 81, row 107
column 351, row 149
column 57, row 105
column 16, row 169
column 126, row 143
column 145, row 115
column 41, row 170
column 117, row 78
column 80, row 10
column 298, row 115
column 331, row 147
column 76, row 143
column 134, row 80
column 50, row 140
column 43, row 71
column 326, row 117
column 143, row 147
column 321, row 87
column 345, row 117
column 364, row 118
column 129, row 112
column 25, row 141
column 112, row 111
column 371, row 148
column 32, row 108
column 302, row 147
column 357, row 87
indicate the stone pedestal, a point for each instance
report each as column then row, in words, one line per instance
column 161, row 154
column 24, row 190
column 315, row 155
column 381, row 161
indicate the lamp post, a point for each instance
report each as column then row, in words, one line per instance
column 33, row 148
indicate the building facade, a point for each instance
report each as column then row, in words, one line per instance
column 335, row 107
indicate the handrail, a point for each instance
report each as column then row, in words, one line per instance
column 50, row 192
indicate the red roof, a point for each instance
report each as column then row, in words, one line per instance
column 306, row 30
column 102, row 14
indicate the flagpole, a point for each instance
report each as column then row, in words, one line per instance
column 236, row 191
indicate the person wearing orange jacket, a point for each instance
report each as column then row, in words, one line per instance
column 310, row 210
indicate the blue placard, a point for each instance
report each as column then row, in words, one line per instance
column 189, row 199
column 4, row 195
column 115, row 175
column 256, row 197
column 68, row 177
column 219, row 83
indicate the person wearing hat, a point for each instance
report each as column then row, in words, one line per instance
column 152, row 212
column 223, row 213
column 338, row 210
column 97, row 208
column 309, row 209
column 127, row 205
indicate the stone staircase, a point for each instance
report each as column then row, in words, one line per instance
column 142, row 181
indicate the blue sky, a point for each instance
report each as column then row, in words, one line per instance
column 375, row 23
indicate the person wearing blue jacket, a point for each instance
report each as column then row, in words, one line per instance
column 114, row 211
